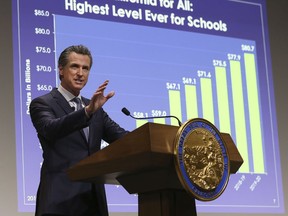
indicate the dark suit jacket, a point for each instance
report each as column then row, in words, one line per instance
column 59, row 129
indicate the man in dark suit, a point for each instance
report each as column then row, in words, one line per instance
column 67, row 136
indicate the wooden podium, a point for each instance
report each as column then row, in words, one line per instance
column 143, row 163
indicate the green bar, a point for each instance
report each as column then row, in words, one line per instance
column 191, row 102
column 223, row 101
column 159, row 120
column 207, row 99
column 140, row 123
column 175, row 106
column 254, row 113
column 239, row 114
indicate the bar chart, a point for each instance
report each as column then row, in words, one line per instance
column 214, row 64
column 159, row 72
column 199, row 76
column 227, row 96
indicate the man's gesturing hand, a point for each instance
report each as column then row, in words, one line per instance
column 98, row 99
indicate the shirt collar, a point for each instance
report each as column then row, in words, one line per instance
column 67, row 95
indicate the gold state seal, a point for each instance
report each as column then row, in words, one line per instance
column 202, row 162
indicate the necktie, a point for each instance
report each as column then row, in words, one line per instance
column 78, row 102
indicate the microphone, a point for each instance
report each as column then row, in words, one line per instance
column 127, row 112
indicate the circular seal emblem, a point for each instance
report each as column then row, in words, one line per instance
column 202, row 162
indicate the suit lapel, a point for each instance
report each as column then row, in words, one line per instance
column 86, row 102
column 62, row 102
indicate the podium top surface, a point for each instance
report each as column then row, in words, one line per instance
column 149, row 147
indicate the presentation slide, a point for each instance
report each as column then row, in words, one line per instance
column 188, row 58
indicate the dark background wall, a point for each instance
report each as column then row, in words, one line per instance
column 278, row 33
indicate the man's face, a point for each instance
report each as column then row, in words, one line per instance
column 75, row 73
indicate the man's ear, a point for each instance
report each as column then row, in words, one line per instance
column 60, row 69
